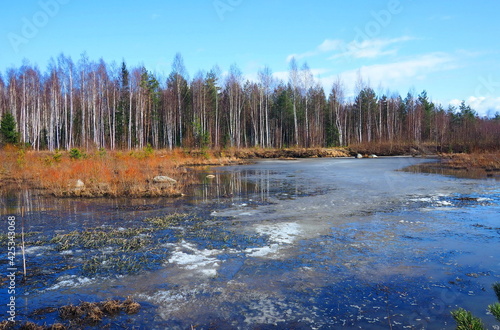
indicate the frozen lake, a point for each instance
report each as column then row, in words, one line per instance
column 302, row 244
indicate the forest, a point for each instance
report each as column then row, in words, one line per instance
column 91, row 104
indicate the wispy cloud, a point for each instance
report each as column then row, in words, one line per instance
column 370, row 48
column 396, row 74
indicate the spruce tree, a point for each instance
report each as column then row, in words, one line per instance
column 8, row 128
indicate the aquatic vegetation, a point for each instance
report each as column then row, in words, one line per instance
column 496, row 288
column 131, row 239
column 495, row 310
column 466, row 321
column 167, row 221
column 115, row 264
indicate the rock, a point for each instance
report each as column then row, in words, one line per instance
column 373, row 156
column 76, row 184
column 359, row 156
column 210, row 176
column 164, row 179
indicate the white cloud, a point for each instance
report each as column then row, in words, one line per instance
column 369, row 48
column 396, row 74
column 484, row 106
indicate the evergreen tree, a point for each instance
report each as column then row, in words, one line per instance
column 8, row 128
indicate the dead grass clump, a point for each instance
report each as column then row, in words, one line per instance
column 90, row 313
column 93, row 311
column 130, row 307
column 57, row 326
column 4, row 325
column 111, row 307
column 31, row 326
column 71, row 312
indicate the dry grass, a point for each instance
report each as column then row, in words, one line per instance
column 103, row 173
column 100, row 173
column 91, row 313
column 486, row 161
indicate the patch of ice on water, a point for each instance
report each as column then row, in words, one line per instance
column 187, row 256
column 421, row 199
column 71, row 281
column 279, row 234
column 282, row 233
column 34, row 250
column 443, row 203
column 171, row 301
column 263, row 251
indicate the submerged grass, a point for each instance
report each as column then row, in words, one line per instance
column 167, row 221
column 132, row 239
column 115, row 264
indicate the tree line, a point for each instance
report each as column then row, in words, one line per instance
column 91, row 104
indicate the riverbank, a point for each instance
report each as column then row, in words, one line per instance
column 137, row 173
column 153, row 173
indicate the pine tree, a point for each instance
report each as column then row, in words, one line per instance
column 8, row 128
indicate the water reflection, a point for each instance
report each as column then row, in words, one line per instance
column 259, row 185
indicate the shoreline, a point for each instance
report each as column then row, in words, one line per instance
column 165, row 173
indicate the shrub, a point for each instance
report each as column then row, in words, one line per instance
column 75, row 153
column 57, row 156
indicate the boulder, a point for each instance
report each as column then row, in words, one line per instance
column 359, row 156
column 164, row 179
column 373, row 156
column 79, row 184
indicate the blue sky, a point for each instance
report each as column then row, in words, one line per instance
column 449, row 48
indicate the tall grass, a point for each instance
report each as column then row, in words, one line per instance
column 103, row 173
